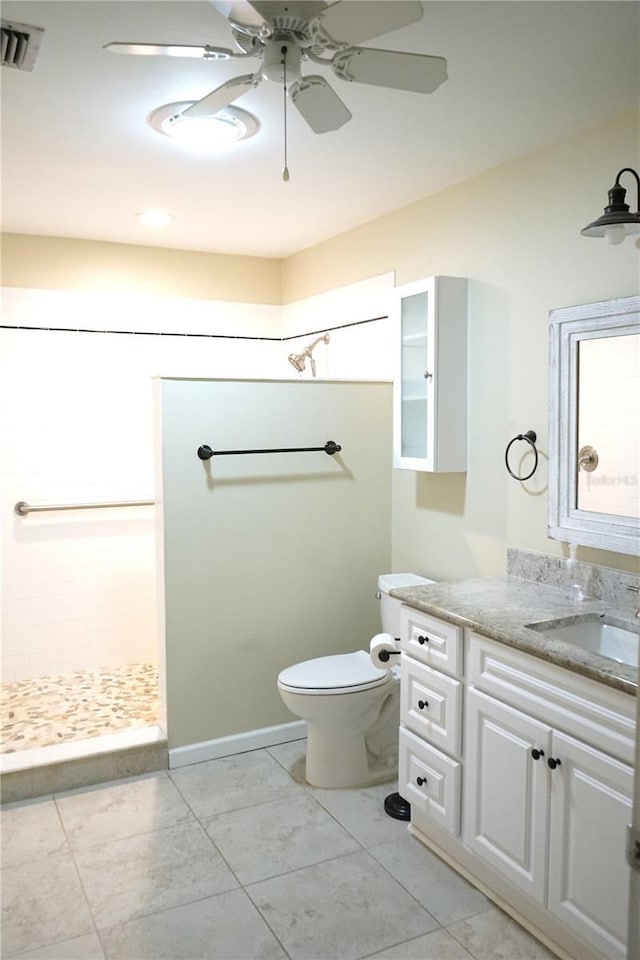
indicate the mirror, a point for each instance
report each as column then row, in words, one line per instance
column 594, row 425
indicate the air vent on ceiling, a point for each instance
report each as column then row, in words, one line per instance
column 20, row 44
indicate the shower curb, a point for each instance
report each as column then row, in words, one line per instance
column 83, row 772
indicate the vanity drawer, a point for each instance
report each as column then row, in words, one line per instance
column 593, row 712
column 430, row 640
column 431, row 705
column 429, row 781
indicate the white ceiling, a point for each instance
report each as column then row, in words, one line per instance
column 79, row 160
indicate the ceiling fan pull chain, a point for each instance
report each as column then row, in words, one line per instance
column 285, row 171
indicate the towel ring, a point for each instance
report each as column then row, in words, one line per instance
column 530, row 436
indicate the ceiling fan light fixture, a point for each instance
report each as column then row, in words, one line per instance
column 209, row 134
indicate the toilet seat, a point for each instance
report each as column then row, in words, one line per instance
column 343, row 673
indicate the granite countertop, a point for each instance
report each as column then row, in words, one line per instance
column 499, row 608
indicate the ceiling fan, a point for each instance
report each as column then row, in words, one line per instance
column 283, row 35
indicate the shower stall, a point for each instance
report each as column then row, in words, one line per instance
column 105, row 693
column 82, row 659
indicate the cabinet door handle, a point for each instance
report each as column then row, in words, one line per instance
column 423, row 640
column 422, row 704
column 421, row 780
column 427, row 375
column 553, row 762
column 536, row 754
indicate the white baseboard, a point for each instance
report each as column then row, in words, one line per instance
column 236, row 743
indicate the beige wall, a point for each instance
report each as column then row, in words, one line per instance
column 56, row 263
column 271, row 559
column 514, row 232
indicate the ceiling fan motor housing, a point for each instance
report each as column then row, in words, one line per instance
column 281, row 58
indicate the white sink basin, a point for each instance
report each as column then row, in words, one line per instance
column 599, row 634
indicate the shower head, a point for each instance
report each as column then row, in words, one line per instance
column 298, row 360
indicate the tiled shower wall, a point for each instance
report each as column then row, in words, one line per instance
column 76, row 425
column 79, row 586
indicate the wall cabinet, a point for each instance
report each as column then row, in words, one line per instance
column 535, row 793
column 430, row 385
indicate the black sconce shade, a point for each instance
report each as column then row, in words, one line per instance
column 617, row 221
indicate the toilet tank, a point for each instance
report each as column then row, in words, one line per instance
column 389, row 606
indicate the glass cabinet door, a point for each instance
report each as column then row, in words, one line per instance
column 415, row 379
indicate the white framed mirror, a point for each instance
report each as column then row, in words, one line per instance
column 594, row 425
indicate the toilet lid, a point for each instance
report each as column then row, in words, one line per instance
column 341, row 672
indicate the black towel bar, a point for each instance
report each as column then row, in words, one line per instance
column 205, row 452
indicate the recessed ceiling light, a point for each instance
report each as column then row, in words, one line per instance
column 203, row 134
column 155, row 218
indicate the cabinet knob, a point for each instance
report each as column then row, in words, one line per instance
column 423, row 639
column 421, row 780
column 553, row 762
column 427, row 375
column 536, row 754
column 422, row 704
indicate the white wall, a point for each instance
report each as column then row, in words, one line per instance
column 76, row 426
column 269, row 559
column 361, row 337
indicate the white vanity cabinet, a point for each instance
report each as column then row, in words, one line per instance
column 548, row 810
column 530, row 796
column 430, row 385
column 431, row 717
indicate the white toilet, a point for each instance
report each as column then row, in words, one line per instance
column 351, row 708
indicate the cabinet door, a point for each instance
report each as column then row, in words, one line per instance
column 506, row 791
column 588, row 874
column 414, row 407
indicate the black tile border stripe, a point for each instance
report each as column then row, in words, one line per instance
column 206, row 336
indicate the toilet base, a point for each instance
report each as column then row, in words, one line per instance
column 340, row 759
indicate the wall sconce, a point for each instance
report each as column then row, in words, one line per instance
column 617, row 221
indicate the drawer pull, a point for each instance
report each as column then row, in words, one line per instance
column 423, row 704
column 553, row 763
column 536, row 754
column 421, row 780
column 423, row 640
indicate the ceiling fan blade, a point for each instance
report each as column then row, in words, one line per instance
column 170, row 50
column 222, row 96
column 240, row 13
column 387, row 68
column 318, row 104
column 348, row 22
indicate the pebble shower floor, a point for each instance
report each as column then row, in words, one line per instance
column 76, row 706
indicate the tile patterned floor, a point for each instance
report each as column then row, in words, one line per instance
column 235, row 859
column 76, row 706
